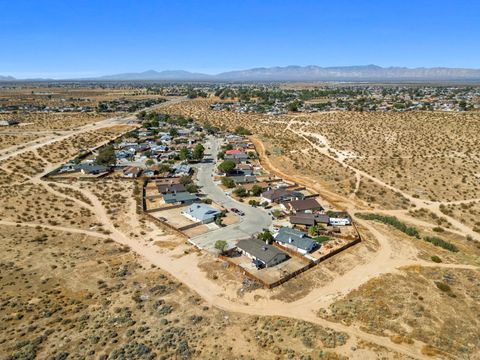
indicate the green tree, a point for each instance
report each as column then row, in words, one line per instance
column 106, row 156
column 256, row 190
column 183, row 153
column 198, row 152
column 313, row 231
column 191, row 188
column 294, row 105
column 240, row 191
column 164, row 168
column 266, row 236
column 149, row 162
column 185, row 180
column 240, row 130
column 227, row 166
column 221, row 155
column 220, row 245
column 173, row 132
column 228, row 182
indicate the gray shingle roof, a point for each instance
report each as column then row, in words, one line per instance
column 201, row 212
column 295, row 238
column 179, row 197
column 268, row 254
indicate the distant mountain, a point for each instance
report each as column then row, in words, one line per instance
column 349, row 73
column 156, row 75
column 7, row 78
column 372, row 73
column 308, row 73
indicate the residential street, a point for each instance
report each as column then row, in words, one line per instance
column 254, row 220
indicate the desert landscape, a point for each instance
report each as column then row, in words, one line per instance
column 87, row 274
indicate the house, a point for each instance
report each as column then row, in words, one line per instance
column 124, row 154
column 234, row 152
column 244, row 167
column 68, row 168
column 165, row 138
column 9, row 122
column 132, row 172
column 262, row 185
column 300, row 206
column 281, row 195
column 262, row 254
column 309, row 219
column 244, row 179
column 92, row 169
column 183, row 170
column 237, row 158
column 296, row 240
column 180, row 197
column 201, row 213
column 170, row 188
column 149, row 172
column 158, row 148
column 245, row 170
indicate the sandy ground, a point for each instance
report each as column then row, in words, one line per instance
column 183, row 264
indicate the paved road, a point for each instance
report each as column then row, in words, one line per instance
column 254, row 220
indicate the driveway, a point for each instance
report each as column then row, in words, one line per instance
column 254, row 220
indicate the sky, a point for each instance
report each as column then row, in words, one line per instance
column 68, row 39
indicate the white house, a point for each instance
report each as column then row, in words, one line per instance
column 201, row 213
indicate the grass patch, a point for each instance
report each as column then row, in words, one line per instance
column 321, row 239
column 392, row 221
column 441, row 243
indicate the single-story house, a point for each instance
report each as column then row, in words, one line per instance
column 237, row 158
column 201, row 213
column 305, row 205
column 262, row 185
column 309, row 219
column 244, row 167
column 92, row 169
column 296, row 240
column 180, row 197
column 68, row 167
column 170, row 188
column 281, row 195
column 132, row 172
column 262, row 254
column 234, row 152
column 148, row 172
column 183, row 169
column 249, row 179
column 124, row 154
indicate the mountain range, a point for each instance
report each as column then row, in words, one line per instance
column 300, row 73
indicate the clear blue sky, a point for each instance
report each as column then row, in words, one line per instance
column 63, row 38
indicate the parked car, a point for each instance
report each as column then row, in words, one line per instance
column 236, row 211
